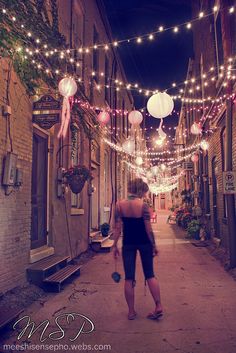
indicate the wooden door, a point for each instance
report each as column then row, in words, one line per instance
column 39, row 190
column 215, row 196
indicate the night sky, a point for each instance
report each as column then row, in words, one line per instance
column 153, row 64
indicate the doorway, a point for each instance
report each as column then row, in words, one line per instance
column 163, row 202
column 215, row 195
column 39, row 189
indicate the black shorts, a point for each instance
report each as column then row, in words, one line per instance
column 129, row 253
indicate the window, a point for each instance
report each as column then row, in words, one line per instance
column 95, row 54
column 106, row 179
column 107, row 89
column 123, row 116
column 223, row 158
column 218, row 40
column 78, row 21
column 76, row 199
column 207, row 191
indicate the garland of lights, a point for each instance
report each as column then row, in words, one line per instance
column 150, row 36
column 50, row 51
column 154, row 189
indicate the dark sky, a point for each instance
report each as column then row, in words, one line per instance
column 152, row 64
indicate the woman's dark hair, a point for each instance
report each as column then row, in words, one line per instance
column 137, row 187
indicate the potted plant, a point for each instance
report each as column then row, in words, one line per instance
column 194, row 229
column 104, row 228
column 76, row 177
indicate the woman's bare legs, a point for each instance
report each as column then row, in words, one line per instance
column 155, row 292
column 129, row 296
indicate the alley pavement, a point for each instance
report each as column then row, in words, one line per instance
column 198, row 296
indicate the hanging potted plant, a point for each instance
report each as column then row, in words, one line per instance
column 76, row 177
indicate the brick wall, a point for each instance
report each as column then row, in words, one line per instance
column 15, row 209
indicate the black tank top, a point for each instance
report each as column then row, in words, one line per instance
column 134, row 231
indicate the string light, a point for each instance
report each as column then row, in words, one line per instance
column 139, row 39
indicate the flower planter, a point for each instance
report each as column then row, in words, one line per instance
column 76, row 183
column 76, row 178
column 195, row 235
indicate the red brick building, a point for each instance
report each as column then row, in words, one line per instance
column 208, row 98
column 36, row 219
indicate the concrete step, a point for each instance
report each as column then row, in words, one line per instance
column 8, row 315
column 107, row 245
column 37, row 272
column 54, row 282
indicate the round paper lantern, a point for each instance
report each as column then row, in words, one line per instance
column 160, row 105
column 129, row 146
column 155, row 170
column 67, row 87
column 103, row 117
column 204, row 145
column 139, row 160
column 163, row 167
column 194, row 158
column 135, row 117
column 149, row 174
column 196, row 128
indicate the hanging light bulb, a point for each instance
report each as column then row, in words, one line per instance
column 159, row 141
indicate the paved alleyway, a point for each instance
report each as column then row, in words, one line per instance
column 198, row 298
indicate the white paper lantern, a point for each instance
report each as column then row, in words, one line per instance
column 67, row 87
column 149, row 174
column 160, row 105
column 135, row 117
column 129, row 146
column 204, row 145
column 163, row 167
column 103, row 117
column 155, row 170
column 196, row 129
column 139, row 160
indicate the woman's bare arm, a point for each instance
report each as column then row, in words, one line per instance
column 148, row 226
column 117, row 229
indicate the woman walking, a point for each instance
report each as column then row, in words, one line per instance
column 133, row 217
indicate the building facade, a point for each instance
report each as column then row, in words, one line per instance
column 39, row 215
column 209, row 100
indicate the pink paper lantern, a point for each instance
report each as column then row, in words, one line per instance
column 196, row 129
column 194, row 158
column 103, row 117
